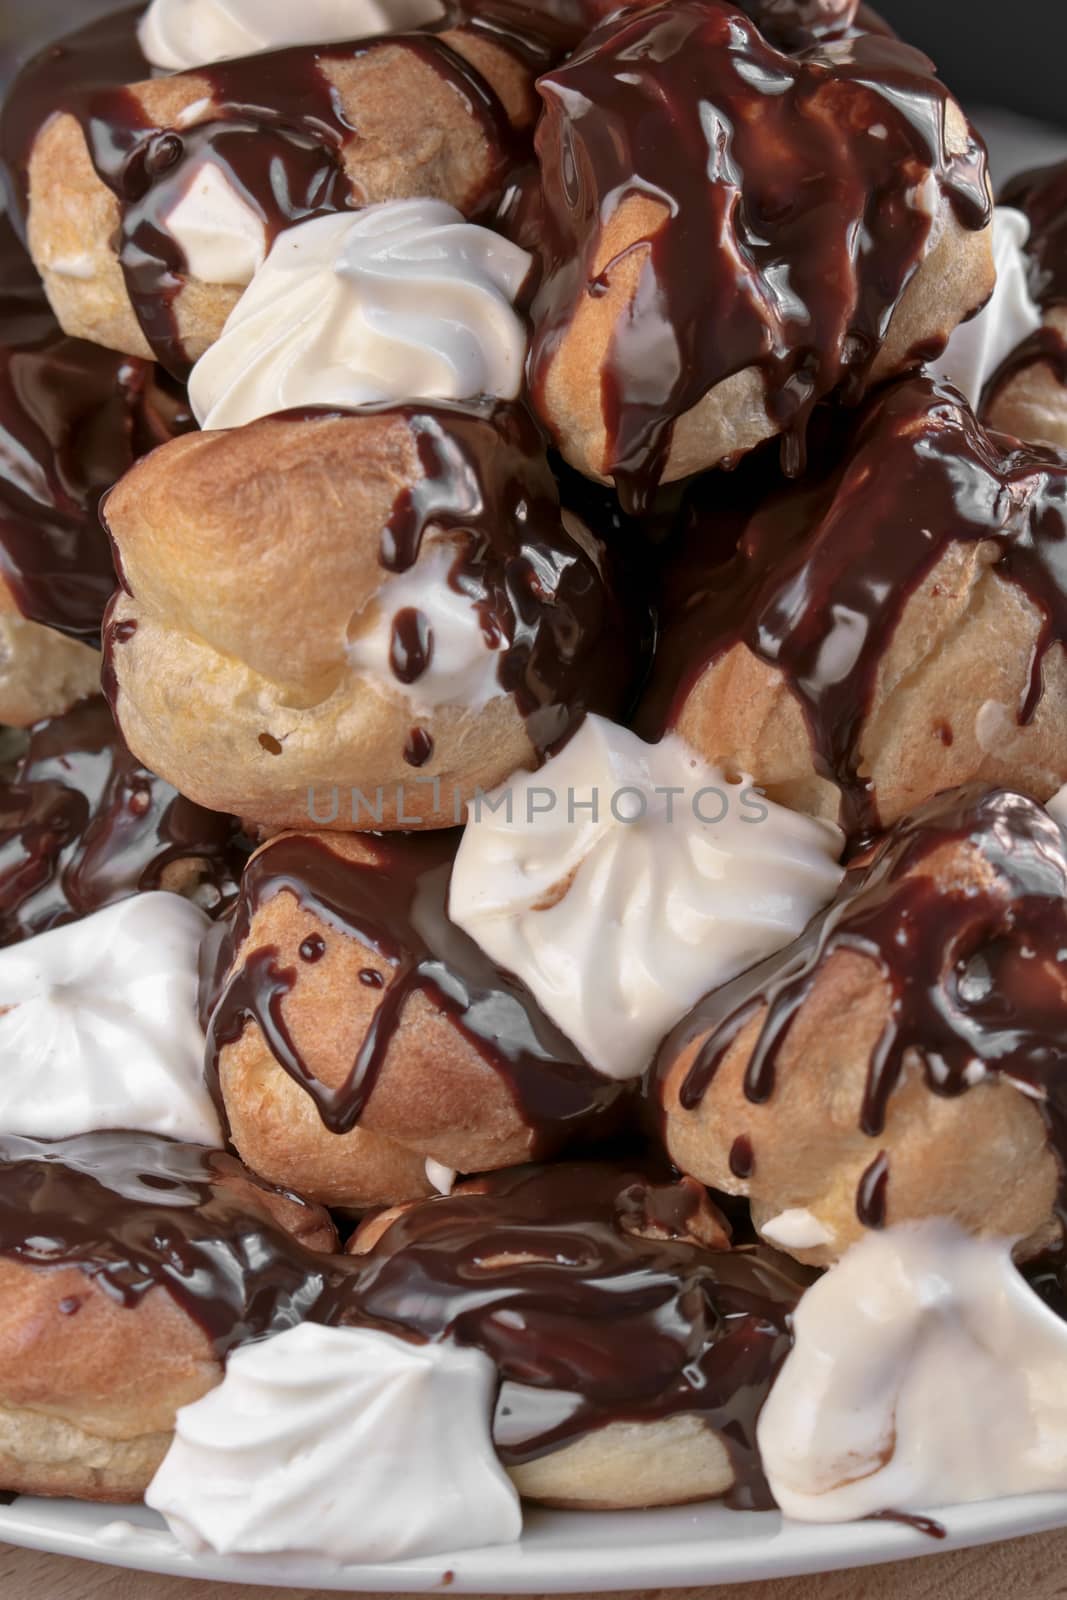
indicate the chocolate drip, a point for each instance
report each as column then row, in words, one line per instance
column 974, row 963
column 872, row 1196
column 411, row 650
column 790, row 229
column 796, row 25
column 135, row 1213
column 825, row 571
column 590, row 1320
column 83, row 825
column 395, row 903
column 742, row 1157
column 73, row 419
column 273, row 123
column 545, row 600
column 418, row 748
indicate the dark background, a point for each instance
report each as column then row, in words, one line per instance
column 1009, row 53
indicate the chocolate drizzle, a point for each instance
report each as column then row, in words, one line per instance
column 585, row 1287
column 395, row 903
column 974, row 958
column 790, row 229
column 824, row 572
column 545, row 600
column 275, row 124
column 135, row 1213
column 83, row 825
column 73, row 418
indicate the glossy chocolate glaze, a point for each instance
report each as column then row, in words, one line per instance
column 273, row 123
column 824, row 571
column 792, row 231
column 568, row 645
column 603, row 1324
column 73, row 418
column 135, row 1212
column 395, row 904
column 976, row 969
column 83, row 825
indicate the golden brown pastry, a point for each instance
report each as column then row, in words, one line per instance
column 356, row 1034
column 150, row 206
column 904, row 1058
column 711, row 266
column 1028, row 396
column 355, row 621
column 129, row 1266
column 635, row 1346
column 889, row 629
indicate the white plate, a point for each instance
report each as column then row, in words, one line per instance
column 560, row 1551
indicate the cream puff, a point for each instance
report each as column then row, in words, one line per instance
column 1027, row 396
column 904, row 1059
column 84, row 825
column 691, row 171
column 129, row 1267
column 151, row 206
column 364, row 1048
column 635, row 1347
column 890, row 628
column 356, row 620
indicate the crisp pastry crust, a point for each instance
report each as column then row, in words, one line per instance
column 618, row 299
column 437, row 1090
column 1031, row 402
column 956, row 669
column 89, row 1385
column 252, row 560
column 415, row 137
column 831, row 1140
column 42, row 672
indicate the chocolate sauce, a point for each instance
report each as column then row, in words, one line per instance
column 796, row 25
column 975, row 964
column 83, row 825
column 73, row 418
column 418, row 748
column 274, row 124
column 742, row 1157
column 545, row 600
column 411, row 649
column 790, row 233
column 396, row 905
column 588, row 1321
column 824, row 572
column 909, row 1519
column 872, row 1196
column 135, row 1212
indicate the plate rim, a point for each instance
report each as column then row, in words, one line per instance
column 722, row 1547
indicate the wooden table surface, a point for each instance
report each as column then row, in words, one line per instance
column 1028, row 1569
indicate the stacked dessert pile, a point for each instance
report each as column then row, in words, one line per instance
column 535, row 960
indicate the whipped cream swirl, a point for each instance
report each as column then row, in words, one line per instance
column 401, row 301
column 978, row 348
column 624, row 881
column 99, row 1026
column 343, row 1442
column 179, row 35
column 925, row 1372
